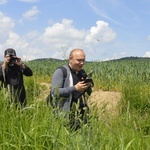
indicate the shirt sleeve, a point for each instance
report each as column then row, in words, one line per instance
column 1, row 73
column 27, row 71
column 57, row 85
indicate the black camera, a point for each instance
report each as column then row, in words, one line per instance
column 13, row 59
column 89, row 78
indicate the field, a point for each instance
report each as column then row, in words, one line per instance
column 120, row 110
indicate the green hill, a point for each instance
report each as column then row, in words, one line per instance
column 132, row 58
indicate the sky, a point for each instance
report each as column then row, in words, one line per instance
column 104, row 29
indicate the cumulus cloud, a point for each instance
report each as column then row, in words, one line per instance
column 31, row 14
column 62, row 32
column 15, row 38
column 147, row 54
column 65, row 35
column 58, row 39
column 101, row 32
column 6, row 24
column 65, row 32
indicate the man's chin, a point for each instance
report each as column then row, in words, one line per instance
column 79, row 68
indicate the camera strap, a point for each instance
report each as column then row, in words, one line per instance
column 3, row 71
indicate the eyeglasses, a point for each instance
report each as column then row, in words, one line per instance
column 81, row 60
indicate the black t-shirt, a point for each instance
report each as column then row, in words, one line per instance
column 80, row 76
column 14, row 76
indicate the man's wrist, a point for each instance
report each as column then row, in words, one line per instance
column 23, row 66
column 4, row 65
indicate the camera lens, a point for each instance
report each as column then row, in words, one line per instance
column 13, row 59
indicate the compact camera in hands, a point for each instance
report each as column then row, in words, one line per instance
column 90, row 74
column 89, row 78
column 13, row 59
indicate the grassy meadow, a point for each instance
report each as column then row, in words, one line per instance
column 36, row 127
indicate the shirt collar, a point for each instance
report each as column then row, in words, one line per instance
column 73, row 71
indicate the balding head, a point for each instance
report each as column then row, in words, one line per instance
column 74, row 51
column 76, row 59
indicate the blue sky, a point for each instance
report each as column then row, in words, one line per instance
column 104, row 29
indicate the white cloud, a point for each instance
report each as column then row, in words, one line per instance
column 147, row 54
column 31, row 14
column 3, row 2
column 20, row 43
column 57, row 37
column 101, row 33
column 118, row 55
column 6, row 24
column 65, row 32
column 62, row 32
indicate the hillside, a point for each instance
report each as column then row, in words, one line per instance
column 109, row 78
column 132, row 58
column 135, row 58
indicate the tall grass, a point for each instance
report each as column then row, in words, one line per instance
column 37, row 127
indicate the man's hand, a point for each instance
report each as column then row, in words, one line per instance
column 5, row 63
column 81, row 86
column 19, row 63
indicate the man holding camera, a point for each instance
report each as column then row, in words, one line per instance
column 11, row 76
column 69, row 93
